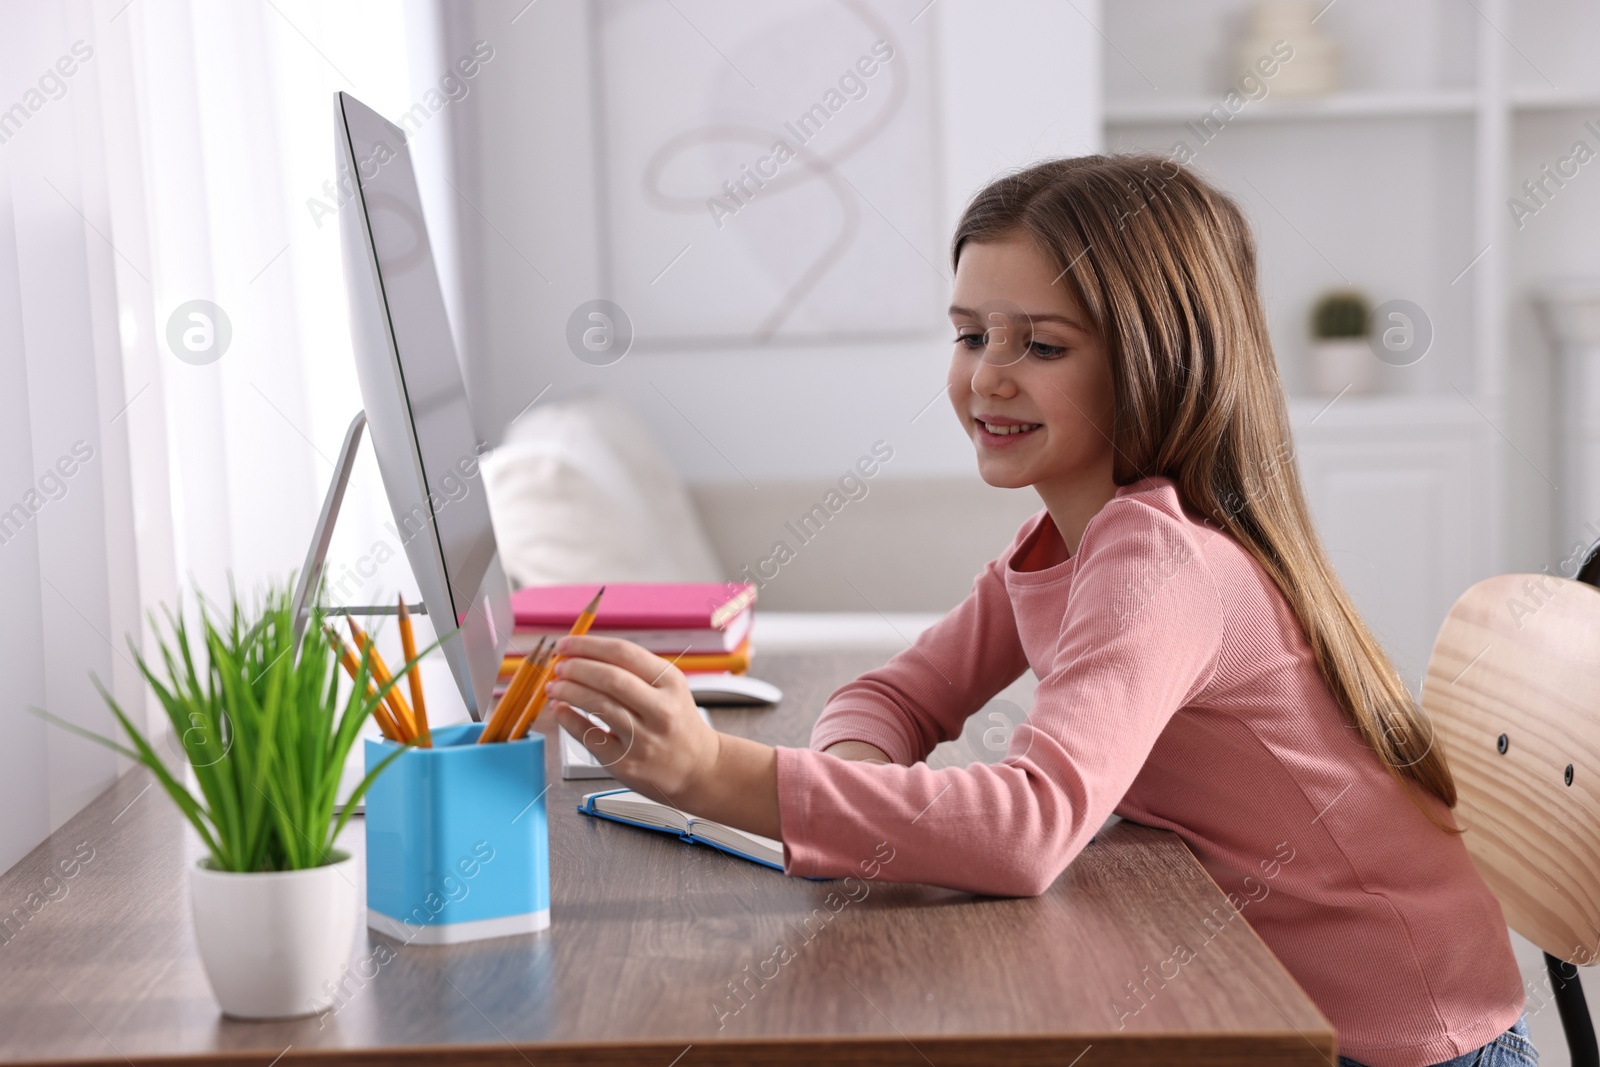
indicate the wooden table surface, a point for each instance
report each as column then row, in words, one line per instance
column 647, row 934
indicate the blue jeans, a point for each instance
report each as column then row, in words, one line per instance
column 1514, row 1048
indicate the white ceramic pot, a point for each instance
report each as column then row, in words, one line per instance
column 1345, row 362
column 275, row 943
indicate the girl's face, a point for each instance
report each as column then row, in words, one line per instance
column 1029, row 379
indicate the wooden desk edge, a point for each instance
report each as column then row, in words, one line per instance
column 1268, row 1049
column 1327, row 1027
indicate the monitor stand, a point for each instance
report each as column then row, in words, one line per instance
column 310, row 579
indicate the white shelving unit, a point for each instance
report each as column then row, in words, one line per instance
column 1401, row 105
column 1399, row 185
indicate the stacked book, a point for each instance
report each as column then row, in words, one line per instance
column 699, row 626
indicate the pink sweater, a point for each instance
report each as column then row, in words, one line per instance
column 1177, row 690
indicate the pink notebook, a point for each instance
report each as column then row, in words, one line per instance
column 635, row 605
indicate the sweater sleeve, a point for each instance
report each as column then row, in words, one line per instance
column 1140, row 635
column 925, row 693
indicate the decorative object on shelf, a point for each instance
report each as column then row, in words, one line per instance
column 256, row 714
column 1341, row 358
column 1312, row 69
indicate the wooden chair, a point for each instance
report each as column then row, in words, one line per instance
column 1513, row 691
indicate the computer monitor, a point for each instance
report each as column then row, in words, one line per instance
column 415, row 400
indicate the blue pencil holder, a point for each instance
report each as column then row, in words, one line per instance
column 458, row 845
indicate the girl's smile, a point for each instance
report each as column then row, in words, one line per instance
column 998, row 431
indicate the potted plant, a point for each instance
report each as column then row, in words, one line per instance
column 1340, row 354
column 263, row 728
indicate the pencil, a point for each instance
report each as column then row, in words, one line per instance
column 396, row 703
column 408, row 645
column 536, row 701
column 352, row 667
column 504, row 711
column 511, row 699
column 380, row 674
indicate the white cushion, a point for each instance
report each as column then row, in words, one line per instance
column 581, row 492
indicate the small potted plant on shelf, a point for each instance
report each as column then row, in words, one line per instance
column 1341, row 357
column 258, row 717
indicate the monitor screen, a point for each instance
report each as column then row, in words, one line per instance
column 415, row 400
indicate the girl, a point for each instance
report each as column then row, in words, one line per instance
column 1200, row 667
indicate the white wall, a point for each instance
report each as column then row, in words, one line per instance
column 1017, row 82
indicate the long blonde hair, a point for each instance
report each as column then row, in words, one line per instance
column 1165, row 267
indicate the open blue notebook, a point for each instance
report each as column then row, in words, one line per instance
column 624, row 805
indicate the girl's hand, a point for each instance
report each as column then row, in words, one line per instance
column 658, row 744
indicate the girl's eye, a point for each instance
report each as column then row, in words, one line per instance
column 974, row 341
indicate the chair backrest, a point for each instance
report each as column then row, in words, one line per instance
column 1513, row 690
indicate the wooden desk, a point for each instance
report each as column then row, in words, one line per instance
column 647, row 933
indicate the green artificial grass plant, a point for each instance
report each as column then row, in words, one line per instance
column 262, row 724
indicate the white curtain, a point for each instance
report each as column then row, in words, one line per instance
column 153, row 154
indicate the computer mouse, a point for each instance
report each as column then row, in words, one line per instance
column 727, row 688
